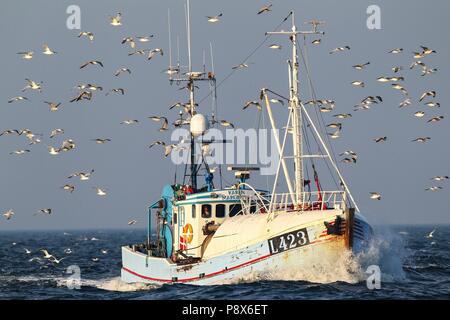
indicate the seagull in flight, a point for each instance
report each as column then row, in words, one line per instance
column 380, row 139
column 273, row 100
column 131, row 222
column 405, row 103
column 275, row 46
column 349, row 153
column 167, row 148
column 154, row 52
column 240, row 66
column 439, row 178
column 252, row 103
column 226, row 123
column 335, row 125
column 375, row 196
column 53, row 151
column 129, row 122
column 101, row 141
column 68, row 187
column 87, row 34
column 8, row 214
column 119, row 71
column 20, row 152
column 57, row 261
column 56, row 132
column 335, row 135
column 427, row 71
column 10, row 131
column 430, row 235
column 47, row 255
column 427, row 94
column 419, row 114
column 140, row 52
column 144, row 38
column 433, row 104
column 129, row 40
column 343, row 115
column 46, row 211
column 165, row 124
column 265, row 9
column 421, row 139
column 358, row 84
column 435, row 188
column 116, row 90
column 47, row 50
column 100, row 191
column 19, row 98
column 361, row 66
column 33, row 85
column 27, row 55
column 396, row 50
column 53, row 106
column 436, row 119
column 339, row 49
column 214, row 19
column 93, row 62
column 117, row 20
column 82, row 175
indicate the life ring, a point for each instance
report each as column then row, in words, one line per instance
column 188, row 233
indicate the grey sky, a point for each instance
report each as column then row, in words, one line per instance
column 135, row 175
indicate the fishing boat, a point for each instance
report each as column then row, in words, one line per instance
column 200, row 234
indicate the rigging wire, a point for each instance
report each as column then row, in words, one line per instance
column 318, row 114
column 264, row 123
column 267, row 37
column 213, row 91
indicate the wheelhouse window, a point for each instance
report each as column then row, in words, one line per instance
column 193, row 211
column 220, row 211
column 235, row 209
column 206, row 211
column 174, row 218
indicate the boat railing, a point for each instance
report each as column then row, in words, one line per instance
column 308, row 201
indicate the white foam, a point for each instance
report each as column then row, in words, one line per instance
column 116, row 284
column 345, row 269
column 386, row 250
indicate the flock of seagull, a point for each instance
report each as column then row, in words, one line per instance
column 427, row 98
column 87, row 91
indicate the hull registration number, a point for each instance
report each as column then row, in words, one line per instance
column 288, row 241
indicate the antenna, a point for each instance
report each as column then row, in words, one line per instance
column 178, row 52
column 188, row 27
column 204, row 61
column 212, row 57
column 190, row 78
column 170, row 44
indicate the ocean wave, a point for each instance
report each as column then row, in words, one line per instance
column 116, row 284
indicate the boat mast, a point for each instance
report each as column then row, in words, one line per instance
column 190, row 78
column 297, row 117
column 294, row 105
column 191, row 87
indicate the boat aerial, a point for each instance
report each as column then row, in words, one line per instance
column 209, row 235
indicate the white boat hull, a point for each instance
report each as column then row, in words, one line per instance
column 266, row 256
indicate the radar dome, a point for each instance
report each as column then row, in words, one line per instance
column 199, row 124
